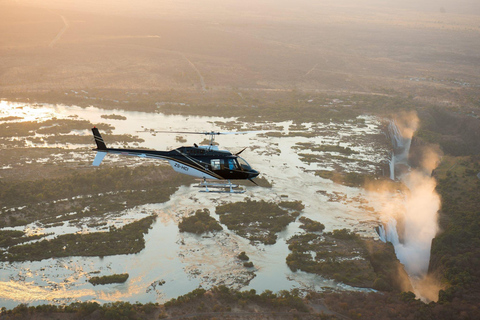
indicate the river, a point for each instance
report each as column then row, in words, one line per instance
column 175, row 263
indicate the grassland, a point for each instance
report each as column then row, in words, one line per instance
column 185, row 49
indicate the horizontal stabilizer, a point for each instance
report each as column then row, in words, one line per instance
column 99, row 158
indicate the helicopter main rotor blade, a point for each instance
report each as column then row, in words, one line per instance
column 239, row 132
column 204, row 133
column 181, row 132
column 240, row 151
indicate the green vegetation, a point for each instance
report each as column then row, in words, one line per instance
column 351, row 179
column 256, row 220
column 84, row 190
column 199, row 223
column 456, row 133
column 268, row 106
column 355, row 179
column 260, row 181
column 338, row 255
column 11, row 118
column 292, row 205
column 114, row 278
column 455, row 254
column 390, row 274
column 310, row 225
column 186, row 298
column 384, row 305
column 76, row 139
column 113, row 116
column 10, row 238
column 84, row 310
column 180, row 139
column 325, row 148
column 126, row 240
column 224, row 299
column 243, row 256
column 56, row 131
column 346, row 257
column 53, row 126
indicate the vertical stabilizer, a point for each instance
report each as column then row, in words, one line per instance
column 98, row 139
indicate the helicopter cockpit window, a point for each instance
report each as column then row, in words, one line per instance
column 232, row 164
column 216, row 164
column 243, row 164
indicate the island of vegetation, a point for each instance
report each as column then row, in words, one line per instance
column 83, row 192
column 343, row 256
column 339, row 258
column 10, row 238
column 310, row 225
column 243, row 256
column 125, row 240
column 351, row 179
column 200, row 222
column 113, row 116
column 296, row 206
column 325, row 148
column 114, row 278
column 258, row 221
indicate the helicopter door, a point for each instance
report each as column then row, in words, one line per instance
column 217, row 164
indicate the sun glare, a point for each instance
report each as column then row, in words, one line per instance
column 20, row 112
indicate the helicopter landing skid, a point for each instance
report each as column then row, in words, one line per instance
column 224, row 187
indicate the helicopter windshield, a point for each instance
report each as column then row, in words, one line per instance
column 243, row 164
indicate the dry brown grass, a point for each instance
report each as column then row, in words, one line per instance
column 327, row 47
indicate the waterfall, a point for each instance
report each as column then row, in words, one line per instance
column 388, row 232
column 392, row 166
column 416, row 209
column 401, row 148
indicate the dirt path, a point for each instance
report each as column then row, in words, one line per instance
column 202, row 81
column 61, row 32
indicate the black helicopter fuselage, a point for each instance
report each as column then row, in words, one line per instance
column 207, row 162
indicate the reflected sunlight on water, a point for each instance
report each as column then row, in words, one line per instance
column 186, row 261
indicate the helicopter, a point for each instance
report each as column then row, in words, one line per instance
column 205, row 162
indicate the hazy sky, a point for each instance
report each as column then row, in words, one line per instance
column 211, row 8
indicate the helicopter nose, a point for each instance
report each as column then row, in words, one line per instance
column 253, row 173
